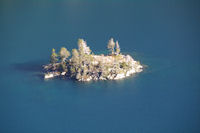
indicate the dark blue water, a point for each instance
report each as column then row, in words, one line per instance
column 164, row 35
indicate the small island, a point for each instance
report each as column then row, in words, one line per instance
column 84, row 65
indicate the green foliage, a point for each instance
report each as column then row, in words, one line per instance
column 80, row 41
column 83, row 48
column 118, row 57
column 64, row 54
column 117, row 48
column 63, row 67
column 124, row 65
column 83, row 64
column 111, row 45
column 54, row 56
column 72, row 71
column 75, row 53
column 80, row 47
column 75, row 57
column 105, row 71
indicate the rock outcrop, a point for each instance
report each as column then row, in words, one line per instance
column 113, row 73
column 84, row 66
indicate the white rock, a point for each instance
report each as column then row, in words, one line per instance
column 120, row 76
column 63, row 73
column 47, row 76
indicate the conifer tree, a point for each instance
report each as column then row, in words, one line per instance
column 80, row 47
column 54, row 57
column 117, row 48
column 111, row 45
column 83, row 48
column 64, row 54
column 75, row 55
column 75, row 58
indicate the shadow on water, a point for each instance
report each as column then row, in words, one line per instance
column 34, row 68
column 31, row 67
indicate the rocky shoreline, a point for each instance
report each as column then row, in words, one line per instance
column 84, row 66
column 136, row 67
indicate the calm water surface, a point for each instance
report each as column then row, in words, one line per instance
column 164, row 35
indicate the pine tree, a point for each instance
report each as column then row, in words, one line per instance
column 63, row 67
column 83, row 48
column 54, row 56
column 117, row 48
column 75, row 59
column 80, row 47
column 111, row 45
column 75, row 55
column 64, row 54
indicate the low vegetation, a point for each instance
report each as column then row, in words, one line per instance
column 85, row 66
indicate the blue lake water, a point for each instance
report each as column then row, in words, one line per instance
column 163, row 35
